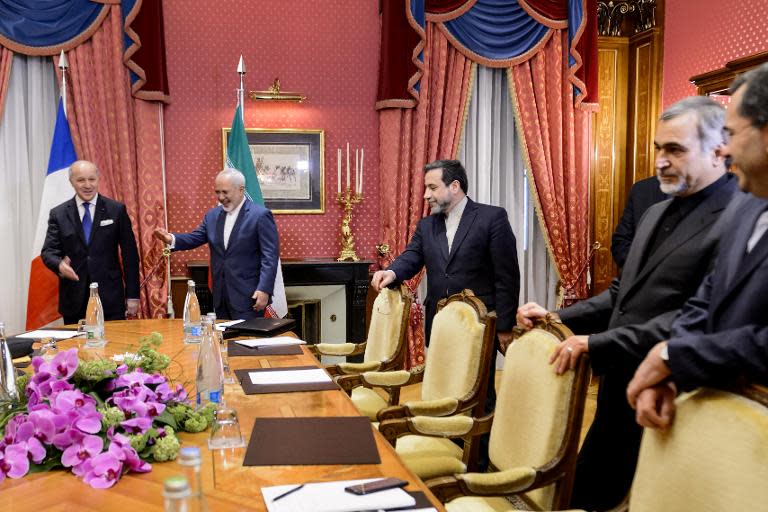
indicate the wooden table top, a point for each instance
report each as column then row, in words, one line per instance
column 228, row 484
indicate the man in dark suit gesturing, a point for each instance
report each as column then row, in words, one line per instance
column 722, row 333
column 672, row 251
column 242, row 237
column 81, row 246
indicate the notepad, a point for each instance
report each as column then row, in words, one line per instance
column 44, row 333
column 331, row 497
column 270, row 342
column 289, row 377
column 223, row 325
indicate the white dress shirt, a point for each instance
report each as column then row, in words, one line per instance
column 229, row 222
column 91, row 206
column 452, row 221
column 757, row 233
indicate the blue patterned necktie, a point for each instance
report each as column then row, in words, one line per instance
column 87, row 222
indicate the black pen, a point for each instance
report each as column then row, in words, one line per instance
column 286, row 493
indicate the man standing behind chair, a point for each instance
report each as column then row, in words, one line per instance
column 243, row 240
column 722, row 333
column 81, row 247
column 671, row 253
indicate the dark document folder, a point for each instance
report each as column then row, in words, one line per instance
column 262, row 327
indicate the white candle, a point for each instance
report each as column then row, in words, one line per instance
column 347, row 164
column 338, row 163
column 362, row 159
column 357, row 169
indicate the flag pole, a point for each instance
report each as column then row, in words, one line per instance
column 169, row 304
column 63, row 66
column 241, row 91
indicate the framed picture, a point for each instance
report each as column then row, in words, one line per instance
column 289, row 165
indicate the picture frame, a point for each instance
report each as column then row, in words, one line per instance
column 290, row 166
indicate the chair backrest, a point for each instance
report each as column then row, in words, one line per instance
column 538, row 414
column 460, row 349
column 386, row 340
column 714, row 457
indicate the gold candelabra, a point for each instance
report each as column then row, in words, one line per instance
column 348, row 199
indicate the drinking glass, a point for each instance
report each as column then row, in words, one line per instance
column 48, row 348
column 225, row 431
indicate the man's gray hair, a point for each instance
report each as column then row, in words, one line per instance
column 235, row 176
column 710, row 119
column 69, row 169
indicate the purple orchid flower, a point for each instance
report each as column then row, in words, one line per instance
column 81, row 409
column 62, row 366
column 136, row 425
column 14, row 462
column 78, row 452
column 122, row 449
column 102, row 471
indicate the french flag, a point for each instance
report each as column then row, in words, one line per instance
column 43, row 298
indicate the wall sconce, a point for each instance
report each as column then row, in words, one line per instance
column 275, row 94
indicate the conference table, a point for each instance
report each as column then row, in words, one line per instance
column 228, row 485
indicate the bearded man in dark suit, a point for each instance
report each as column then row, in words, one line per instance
column 81, row 247
column 672, row 251
column 722, row 333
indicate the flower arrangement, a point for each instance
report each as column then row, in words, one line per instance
column 97, row 418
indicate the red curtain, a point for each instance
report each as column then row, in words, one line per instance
column 121, row 135
column 556, row 136
column 6, row 57
column 410, row 138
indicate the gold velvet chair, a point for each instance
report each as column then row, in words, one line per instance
column 455, row 374
column 534, row 432
column 386, row 344
column 714, row 457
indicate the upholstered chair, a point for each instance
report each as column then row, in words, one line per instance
column 714, row 456
column 455, row 374
column 534, row 432
column 385, row 346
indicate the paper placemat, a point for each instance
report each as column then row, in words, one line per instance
column 250, row 388
column 311, row 441
column 235, row 349
column 331, row 497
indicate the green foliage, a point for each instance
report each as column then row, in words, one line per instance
column 166, row 447
column 21, row 387
column 111, row 416
column 185, row 417
column 92, row 371
column 147, row 357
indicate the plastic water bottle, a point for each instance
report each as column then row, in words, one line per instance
column 210, row 370
column 219, row 337
column 9, row 395
column 176, row 494
column 189, row 459
column 192, row 327
column 94, row 319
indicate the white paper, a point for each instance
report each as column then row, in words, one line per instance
column 270, row 342
column 223, row 325
column 331, row 497
column 42, row 333
column 289, row 376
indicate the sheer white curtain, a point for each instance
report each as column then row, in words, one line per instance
column 26, row 129
column 492, row 153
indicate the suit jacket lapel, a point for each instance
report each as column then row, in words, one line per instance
column 238, row 222
column 439, row 233
column 100, row 212
column 74, row 218
column 741, row 264
column 467, row 219
column 629, row 273
column 220, row 229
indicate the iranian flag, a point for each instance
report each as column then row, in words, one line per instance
column 43, row 298
column 239, row 157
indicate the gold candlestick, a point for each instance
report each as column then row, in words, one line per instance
column 348, row 199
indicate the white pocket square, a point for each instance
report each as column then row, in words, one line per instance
column 106, row 222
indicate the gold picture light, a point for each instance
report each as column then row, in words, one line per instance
column 275, row 94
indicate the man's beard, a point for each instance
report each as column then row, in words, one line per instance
column 439, row 207
column 677, row 188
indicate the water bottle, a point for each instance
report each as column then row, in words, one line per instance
column 9, row 395
column 94, row 319
column 210, row 370
column 176, row 494
column 189, row 459
column 192, row 327
column 219, row 337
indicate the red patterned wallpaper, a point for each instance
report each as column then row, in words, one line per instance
column 326, row 50
column 702, row 35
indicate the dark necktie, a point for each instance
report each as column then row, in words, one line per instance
column 87, row 222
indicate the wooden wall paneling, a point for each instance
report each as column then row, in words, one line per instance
column 645, row 54
column 610, row 151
